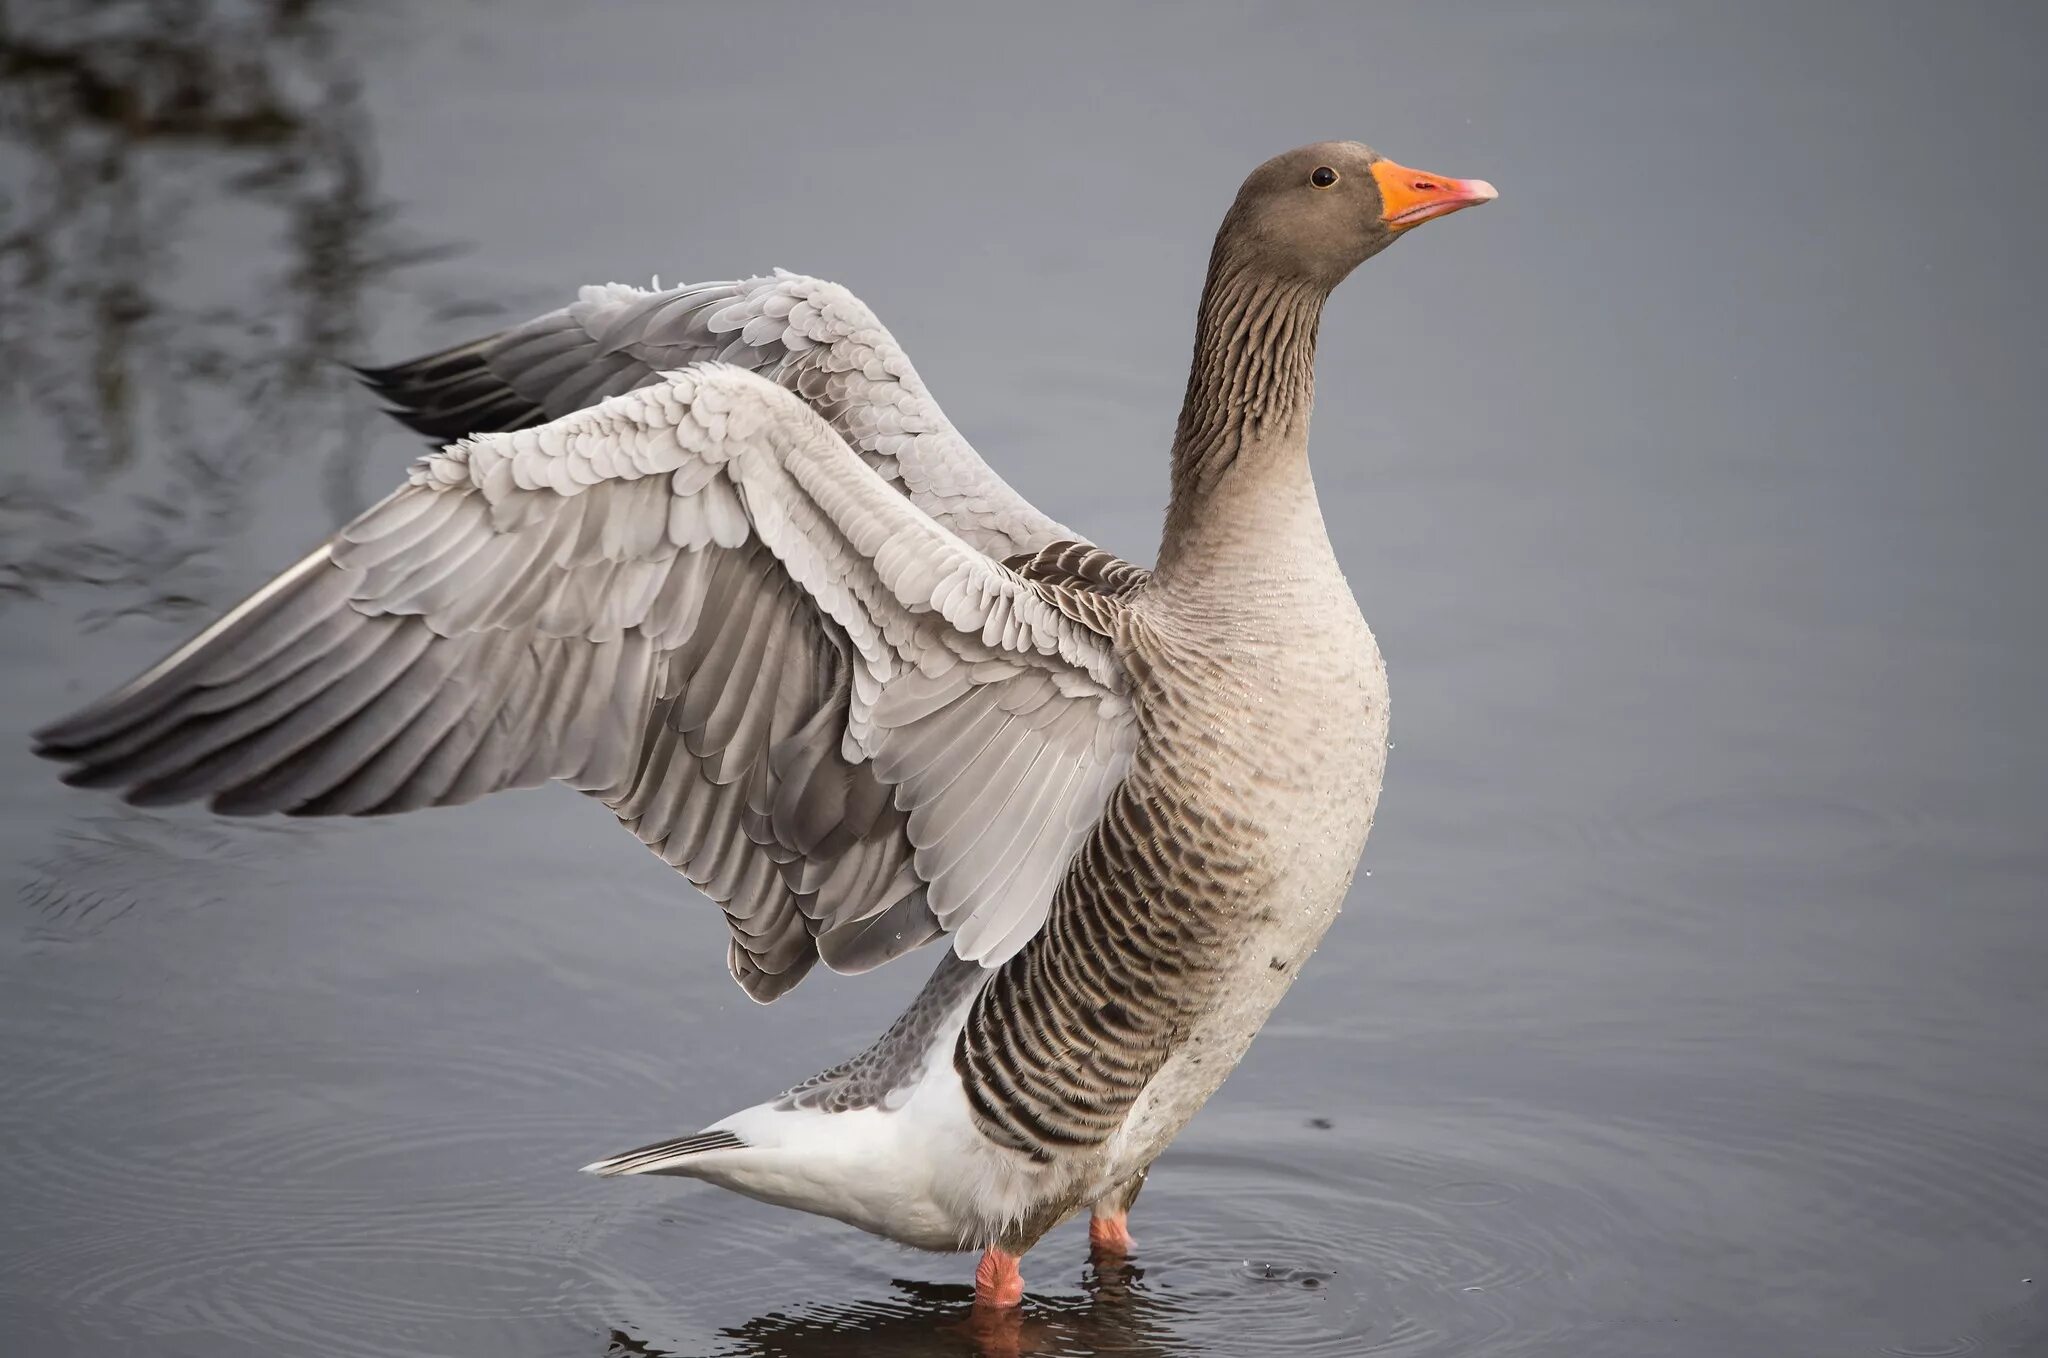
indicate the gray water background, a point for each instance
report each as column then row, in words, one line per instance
column 1694, row 1001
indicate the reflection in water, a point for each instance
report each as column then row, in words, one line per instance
column 1115, row 1316
column 108, row 863
column 1286, row 1239
column 190, row 243
column 137, row 140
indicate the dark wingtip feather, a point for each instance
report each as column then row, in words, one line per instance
column 79, row 737
column 428, row 396
column 420, row 422
column 69, row 735
column 93, row 776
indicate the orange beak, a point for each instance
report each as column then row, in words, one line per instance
column 1411, row 197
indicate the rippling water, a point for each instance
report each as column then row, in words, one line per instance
column 1694, row 1002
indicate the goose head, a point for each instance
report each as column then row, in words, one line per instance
column 1317, row 212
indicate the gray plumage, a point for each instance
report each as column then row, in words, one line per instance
column 715, row 557
column 540, row 604
column 893, row 1064
column 811, row 337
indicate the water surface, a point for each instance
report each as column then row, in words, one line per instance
column 1693, row 1003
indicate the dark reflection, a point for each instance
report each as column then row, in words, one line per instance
column 139, row 139
column 1116, row 1316
column 105, row 865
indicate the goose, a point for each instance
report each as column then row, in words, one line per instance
column 714, row 556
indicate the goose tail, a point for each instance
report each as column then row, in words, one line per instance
column 908, row 1174
column 678, row 1155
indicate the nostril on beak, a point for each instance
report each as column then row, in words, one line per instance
column 1426, row 186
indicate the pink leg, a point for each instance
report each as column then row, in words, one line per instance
column 1109, row 1235
column 997, row 1281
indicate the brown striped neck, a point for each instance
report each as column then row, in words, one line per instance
column 1244, row 422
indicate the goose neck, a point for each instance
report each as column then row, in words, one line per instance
column 1241, row 448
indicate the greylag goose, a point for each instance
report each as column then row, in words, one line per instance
column 714, row 556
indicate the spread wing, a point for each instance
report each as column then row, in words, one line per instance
column 696, row 602
column 809, row 336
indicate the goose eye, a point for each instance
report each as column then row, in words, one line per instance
column 1323, row 177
